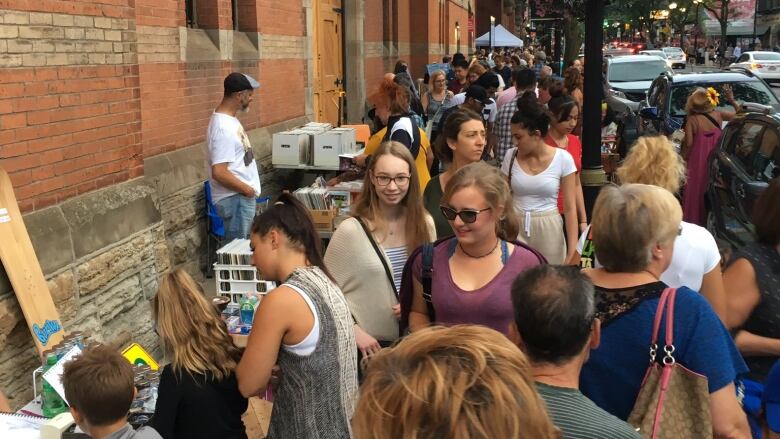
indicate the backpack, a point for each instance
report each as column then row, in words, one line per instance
column 406, row 295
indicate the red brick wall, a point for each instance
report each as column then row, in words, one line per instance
column 68, row 130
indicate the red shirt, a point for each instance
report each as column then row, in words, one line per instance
column 575, row 149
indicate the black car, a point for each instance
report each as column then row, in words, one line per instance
column 746, row 159
column 664, row 110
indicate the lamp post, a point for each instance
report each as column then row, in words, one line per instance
column 492, row 29
column 672, row 7
column 696, row 34
column 457, row 36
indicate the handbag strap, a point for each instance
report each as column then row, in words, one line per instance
column 665, row 302
column 380, row 254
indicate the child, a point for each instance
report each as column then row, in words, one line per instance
column 198, row 396
column 99, row 388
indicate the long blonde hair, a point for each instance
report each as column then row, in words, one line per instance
column 193, row 336
column 462, row 382
column 494, row 188
column 367, row 206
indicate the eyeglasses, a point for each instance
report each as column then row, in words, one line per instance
column 441, row 81
column 467, row 215
column 399, row 180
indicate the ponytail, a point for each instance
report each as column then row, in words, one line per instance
column 290, row 217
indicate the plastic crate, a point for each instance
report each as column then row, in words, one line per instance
column 234, row 280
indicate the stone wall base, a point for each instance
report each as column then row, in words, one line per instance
column 103, row 253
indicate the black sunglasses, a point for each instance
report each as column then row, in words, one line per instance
column 467, row 215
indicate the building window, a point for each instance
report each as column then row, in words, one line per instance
column 191, row 13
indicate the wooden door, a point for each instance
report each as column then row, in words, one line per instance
column 328, row 82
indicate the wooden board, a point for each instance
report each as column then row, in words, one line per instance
column 24, row 271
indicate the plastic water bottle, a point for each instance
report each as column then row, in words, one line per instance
column 247, row 310
column 51, row 403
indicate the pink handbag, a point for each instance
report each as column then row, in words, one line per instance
column 673, row 402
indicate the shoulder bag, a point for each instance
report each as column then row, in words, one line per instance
column 673, row 402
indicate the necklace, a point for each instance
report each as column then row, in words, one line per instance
column 482, row 256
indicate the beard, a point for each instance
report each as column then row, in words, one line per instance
column 244, row 109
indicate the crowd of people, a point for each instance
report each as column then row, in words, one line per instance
column 469, row 295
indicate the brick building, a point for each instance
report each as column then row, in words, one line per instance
column 103, row 110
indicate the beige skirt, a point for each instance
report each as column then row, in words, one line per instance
column 544, row 232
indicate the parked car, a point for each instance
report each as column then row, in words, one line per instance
column 746, row 160
column 675, row 57
column 664, row 109
column 627, row 79
column 765, row 65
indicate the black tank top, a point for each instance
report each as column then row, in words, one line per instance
column 765, row 318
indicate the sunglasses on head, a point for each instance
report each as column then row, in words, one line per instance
column 467, row 215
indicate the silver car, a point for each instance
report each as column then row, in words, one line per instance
column 765, row 65
column 675, row 57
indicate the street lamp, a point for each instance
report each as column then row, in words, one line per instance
column 696, row 33
column 492, row 29
column 672, row 7
column 457, row 36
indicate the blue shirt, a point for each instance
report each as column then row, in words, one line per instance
column 613, row 374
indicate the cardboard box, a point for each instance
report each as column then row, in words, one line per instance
column 323, row 219
column 291, row 148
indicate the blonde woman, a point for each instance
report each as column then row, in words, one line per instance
column 696, row 259
column 472, row 271
column 634, row 231
column 368, row 251
column 702, row 133
column 198, row 395
column 415, row 389
column 436, row 99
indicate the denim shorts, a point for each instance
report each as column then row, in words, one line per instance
column 237, row 211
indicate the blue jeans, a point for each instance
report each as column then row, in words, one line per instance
column 237, row 211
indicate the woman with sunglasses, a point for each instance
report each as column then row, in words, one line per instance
column 368, row 251
column 537, row 173
column 462, row 142
column 471, row 273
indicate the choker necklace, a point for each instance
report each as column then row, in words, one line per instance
column 482, row 256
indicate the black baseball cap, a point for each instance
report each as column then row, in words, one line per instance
column 236, row 82
column 477, row 92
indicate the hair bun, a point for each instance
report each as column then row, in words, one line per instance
column 556, row 90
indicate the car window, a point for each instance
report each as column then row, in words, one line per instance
column 766, row 161
column 743, row 58
column 636, row 71
column 745, row 144
column 767, row 56
column 747, row 91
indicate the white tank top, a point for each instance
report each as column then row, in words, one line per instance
column 308, row 344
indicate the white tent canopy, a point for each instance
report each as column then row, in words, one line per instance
column 501, row 38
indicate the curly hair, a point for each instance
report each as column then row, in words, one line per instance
column 462, row 382
column 667, row 171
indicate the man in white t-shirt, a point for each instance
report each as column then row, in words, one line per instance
column 233, row 174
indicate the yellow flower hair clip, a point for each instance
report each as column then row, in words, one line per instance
column 713, row 96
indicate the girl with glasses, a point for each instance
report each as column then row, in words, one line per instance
column 463, row 141
column 537, row 173
column 470, row 274
column 368, row 251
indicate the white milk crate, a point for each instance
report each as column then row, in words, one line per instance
column 235, row 280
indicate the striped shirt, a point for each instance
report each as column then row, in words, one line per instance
column 579, row 418
column 397, row 257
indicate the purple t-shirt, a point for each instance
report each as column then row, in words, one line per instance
column 489, row 306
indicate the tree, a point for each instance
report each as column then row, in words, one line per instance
column 724, row 11
column 573, row 13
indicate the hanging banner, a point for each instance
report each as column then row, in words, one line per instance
column 740, row 18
